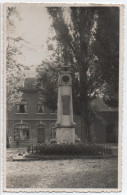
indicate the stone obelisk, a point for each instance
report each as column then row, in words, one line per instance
column 65, row 127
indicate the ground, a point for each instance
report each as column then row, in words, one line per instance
column 76, row 173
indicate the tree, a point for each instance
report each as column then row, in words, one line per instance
column 47, row 83
column 77, row 38
column 107, row 51
column 71, row 46
column 47, row 74
column 14, row 71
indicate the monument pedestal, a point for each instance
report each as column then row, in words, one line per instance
column 65, row 135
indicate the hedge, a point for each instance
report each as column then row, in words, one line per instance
column 69, row 149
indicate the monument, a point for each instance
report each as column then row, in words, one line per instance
column 65, row 127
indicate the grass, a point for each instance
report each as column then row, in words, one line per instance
column 78, row 173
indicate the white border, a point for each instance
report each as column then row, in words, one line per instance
column 124, row 136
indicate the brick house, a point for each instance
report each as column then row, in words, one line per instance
column 106, row 123
column 33, row 122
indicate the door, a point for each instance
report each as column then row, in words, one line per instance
column 110, row 133
column 41, row 133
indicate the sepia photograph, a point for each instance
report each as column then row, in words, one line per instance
column 62, row 84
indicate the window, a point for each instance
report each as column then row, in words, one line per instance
column 53, row 131
column 40, row 107
column 21, row 131
column 53, row 111
column 21, row 107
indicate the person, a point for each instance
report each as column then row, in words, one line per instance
column 10, row 141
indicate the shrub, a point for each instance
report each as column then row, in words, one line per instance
column 69, row 149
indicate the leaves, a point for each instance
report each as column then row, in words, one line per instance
column 107, row 51
column 14, row 71
column 47, row 75
column 85, row 39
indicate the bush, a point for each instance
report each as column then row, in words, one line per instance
column 69, row 149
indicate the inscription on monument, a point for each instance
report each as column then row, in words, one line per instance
column 66, row 104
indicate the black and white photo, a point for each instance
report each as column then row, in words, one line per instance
column 62, row 97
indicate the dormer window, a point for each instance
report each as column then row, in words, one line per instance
column 21, row 107
column 40, row 107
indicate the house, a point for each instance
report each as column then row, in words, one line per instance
column 106, row 123
column 34, row 123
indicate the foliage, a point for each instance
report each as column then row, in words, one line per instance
column 14, row 71
column 47, row 83
column 14, row 78
column 71, row 54
column 69, row 149
column 107, row 51
column 82, row 36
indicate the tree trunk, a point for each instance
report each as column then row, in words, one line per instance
column 85, row 130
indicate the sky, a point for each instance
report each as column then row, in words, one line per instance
column 34, row 26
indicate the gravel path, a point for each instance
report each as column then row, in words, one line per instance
column 79, row 173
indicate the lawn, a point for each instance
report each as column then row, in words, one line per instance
column 78, row 173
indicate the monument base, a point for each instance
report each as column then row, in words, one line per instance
column 65, row 135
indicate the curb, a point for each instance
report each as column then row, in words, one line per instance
column 62, row 158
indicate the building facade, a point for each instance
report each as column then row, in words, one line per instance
column 32, row 122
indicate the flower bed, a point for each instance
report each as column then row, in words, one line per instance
column 69, row 149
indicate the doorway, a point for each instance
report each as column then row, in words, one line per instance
column 110, row 133
column 41, row 133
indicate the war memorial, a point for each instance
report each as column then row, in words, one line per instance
column 65, row 126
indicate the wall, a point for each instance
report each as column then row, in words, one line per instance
column 33, row 118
